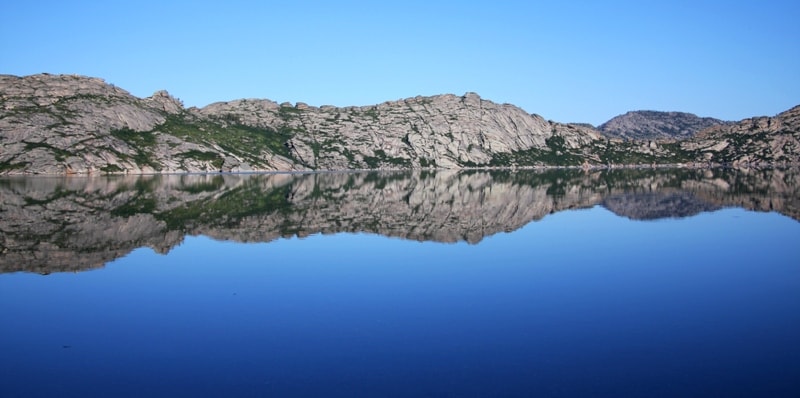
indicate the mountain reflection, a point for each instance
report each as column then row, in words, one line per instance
column 70, row 224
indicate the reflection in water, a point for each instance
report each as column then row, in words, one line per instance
column 582, row 303
column 70, row 224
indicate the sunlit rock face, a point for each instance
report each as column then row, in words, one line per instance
column 66, row 124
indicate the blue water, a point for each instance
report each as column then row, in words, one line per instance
column 581, row 303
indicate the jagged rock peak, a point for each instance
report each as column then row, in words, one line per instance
column 162, row 100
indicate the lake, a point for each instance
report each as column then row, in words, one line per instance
column 555, row 283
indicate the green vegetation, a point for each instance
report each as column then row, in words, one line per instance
column 372, row 113
column 134, row 138
column 380, row 158
column 329, row 146
column 557, row 181
column 380, row 178
column 142, row 201
column 8, row 166
column 230, row 118
column 630, row 153
column 111, row 168
column 425, row 162
column 288, row 112
column 676, row 154
column 625, row 153
column 740, row 144
column 229, row 208
column 557, row 154
column 140, row 204
column 140, row 141
column 216, row 160
column 245, row 141
column 57, row 193
column 144, row 158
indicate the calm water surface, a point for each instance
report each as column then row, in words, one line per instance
column 620, row 283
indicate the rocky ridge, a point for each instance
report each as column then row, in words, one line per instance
column 65, row 124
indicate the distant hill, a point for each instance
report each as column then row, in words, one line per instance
column 655, row 125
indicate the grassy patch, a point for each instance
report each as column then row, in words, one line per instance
column 629, row 153
column 142, row 143
column 245, row 141
column 556, row 154
column 745, row 144
column 380, row 158
column 137, row 139
column 216, row 159
column 8, row 166
column 139, row 204
column 111, row 168
column 425, row 162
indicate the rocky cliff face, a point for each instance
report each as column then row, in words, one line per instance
column 55, row 124
column 654, row 125
column 72, row 223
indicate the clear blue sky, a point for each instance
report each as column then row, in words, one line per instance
column 567, row 61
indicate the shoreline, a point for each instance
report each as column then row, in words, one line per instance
column 689, row 166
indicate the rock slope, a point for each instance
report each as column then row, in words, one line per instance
column 758, row 141
column 65, row 124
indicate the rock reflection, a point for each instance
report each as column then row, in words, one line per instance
column 71, row 224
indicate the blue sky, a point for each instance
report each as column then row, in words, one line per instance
column 567, row 61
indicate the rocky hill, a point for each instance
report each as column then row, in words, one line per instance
column 65, row 124
column 654, row 125
column 758, row 141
